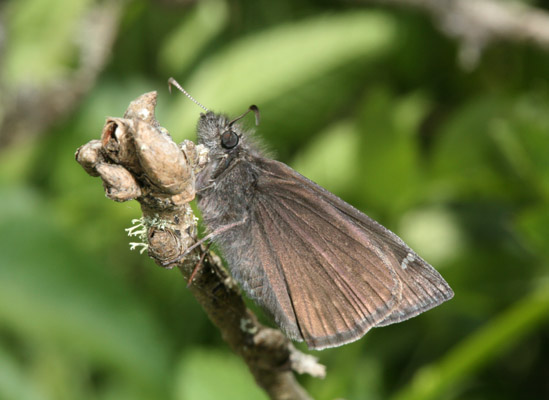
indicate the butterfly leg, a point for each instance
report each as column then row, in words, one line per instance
column 197, row 266
column 209, row 236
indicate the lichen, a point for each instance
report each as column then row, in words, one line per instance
column 141, row 227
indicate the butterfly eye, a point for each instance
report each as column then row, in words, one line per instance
column 229, row 139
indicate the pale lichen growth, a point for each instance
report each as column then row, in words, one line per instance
column 135, row 245
column 246, row 325
column 141, row 227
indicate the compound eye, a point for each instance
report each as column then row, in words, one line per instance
column 229, row 139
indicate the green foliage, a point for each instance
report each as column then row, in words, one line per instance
column 481, row 348
column 213, row 374
column 41, row 39
column 369, row 103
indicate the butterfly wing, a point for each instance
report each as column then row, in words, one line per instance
column 422, row 286
column 325, row 271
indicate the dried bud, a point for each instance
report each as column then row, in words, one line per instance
column 142, row 109
column 197, row 155
column 162, row 161
column 137, row 159
column 120, row 185
column 164, row 245
column 89, row 155
column 118, row 141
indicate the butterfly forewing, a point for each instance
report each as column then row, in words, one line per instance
column 422, row 286
column 333, row 300
column 312, row 246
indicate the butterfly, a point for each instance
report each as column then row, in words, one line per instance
column 326, row 272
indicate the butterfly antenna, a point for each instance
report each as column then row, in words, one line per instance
column 251, row 108
column 172, row 81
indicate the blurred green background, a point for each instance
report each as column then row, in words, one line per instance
column 371, row 102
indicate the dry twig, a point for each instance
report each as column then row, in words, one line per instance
column 137, row 159
column 478, row 23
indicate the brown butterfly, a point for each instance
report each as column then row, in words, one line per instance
column 325, row 271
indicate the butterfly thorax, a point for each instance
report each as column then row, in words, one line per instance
column 225, row 185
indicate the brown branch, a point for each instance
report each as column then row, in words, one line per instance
column 478, row 23
column 137, row 159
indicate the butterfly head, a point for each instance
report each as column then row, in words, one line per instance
column 220, row 135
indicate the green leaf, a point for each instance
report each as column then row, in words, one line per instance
column 331, row 157
column 390, row 165
column 212, row 374
column 203, row 23
column 14, row 383
column 272, row 63
column 463, row 155
column 522, row 138
column 50, row 291
column 481, row 348
column 42, row 35
column 533, row 225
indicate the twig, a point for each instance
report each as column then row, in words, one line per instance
column 136, row 159
column 478, row 23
